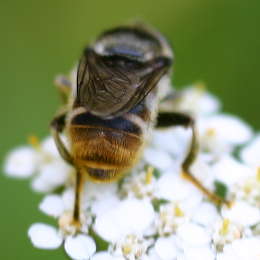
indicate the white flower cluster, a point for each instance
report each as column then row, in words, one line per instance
column 153, row 213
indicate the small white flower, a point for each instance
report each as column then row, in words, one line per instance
column 248, row 189
column 226, row 232
column 140, row 184
column 170, row 216
column 21, row 162
column 130, row 247
column 80, row 247
column 44, row 236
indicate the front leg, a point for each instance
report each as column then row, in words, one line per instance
column 57, row 127
column 178, row 119
column 64, row 86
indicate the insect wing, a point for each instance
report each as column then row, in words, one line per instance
column 111, row 86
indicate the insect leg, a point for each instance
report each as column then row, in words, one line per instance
column 57, row 126
column 63, row 85
column 179, row 119
column 77, row 204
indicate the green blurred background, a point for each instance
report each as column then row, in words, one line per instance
column 217, row 42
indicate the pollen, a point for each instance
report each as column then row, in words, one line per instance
column 225, row 227
column 149, row 175
column 178, row 211
column 33, row 140
column 211, row 132
column 200, row 86
column 248, row 188
column 126, row 249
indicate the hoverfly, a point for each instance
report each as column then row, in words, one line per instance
column 108, row 115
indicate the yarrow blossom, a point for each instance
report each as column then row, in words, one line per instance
column 153, row 213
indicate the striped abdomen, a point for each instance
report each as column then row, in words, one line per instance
column 107, row 148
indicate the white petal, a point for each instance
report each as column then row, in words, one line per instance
column 44, row 236
column 52, row 205
column 40, row 184
column 101, row 196
column 202, row 171
column 206, row 214
column 229, row 171
column 48, row 146
column 144, row 257
column 106, row 227
column 80, row 247
column 173, row 187
column 21, row 162
column 193, row 234
column 242, row 213
column 56, row 173
column 102, row 256
column 251, row 153
column 197, row 101
column 153, row 255
column 129, row 217
column 181, row 256
column 243, row 249
column 158, row 158
column 227, row 256
column 209, row 104
column 228, row 128
column 99, row 191
column 101, row 206
column 68, row 199
column 190, row 204
column 173, row 140
column 51, row 176
column 166, row 248
column 201, row 253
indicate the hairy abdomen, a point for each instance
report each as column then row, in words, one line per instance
column 105, row 149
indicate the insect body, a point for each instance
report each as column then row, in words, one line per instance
column 109, row 114
column 116, row 94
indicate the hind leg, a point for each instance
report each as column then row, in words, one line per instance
column 179, row 119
